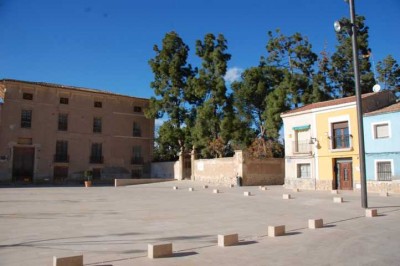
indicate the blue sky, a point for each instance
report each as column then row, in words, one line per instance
column 107, row 44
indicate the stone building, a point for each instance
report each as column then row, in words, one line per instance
column 54, row 133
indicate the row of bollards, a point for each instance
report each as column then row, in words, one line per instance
column 160, row 250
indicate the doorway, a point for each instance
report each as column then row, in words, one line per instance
column 23, row 164
column 344, row 174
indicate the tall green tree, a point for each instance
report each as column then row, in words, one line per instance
column 389, row 74
column 210, row 90
column 342, row 73
column 172, row 74
column 321, row 84
column 294, row 56
column 251, row 97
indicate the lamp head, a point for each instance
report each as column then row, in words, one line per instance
column 337, row 26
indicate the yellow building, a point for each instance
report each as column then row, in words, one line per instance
column 332, row 160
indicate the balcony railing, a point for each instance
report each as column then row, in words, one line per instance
column 61, row 158
column 137, row 160
column 340, row 142
column 96, row 159
column 301, row 146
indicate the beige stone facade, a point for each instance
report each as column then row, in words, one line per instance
column 51, row 132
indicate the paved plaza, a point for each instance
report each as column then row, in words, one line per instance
column 114, row 225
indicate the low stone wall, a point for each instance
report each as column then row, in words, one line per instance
column 254, row 172
column 383, row 186
column 258, row 172
column 127, row 182
column 165, row 170
column 221, row 171
column 300, row 183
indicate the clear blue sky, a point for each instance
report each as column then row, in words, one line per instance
column 107, row 44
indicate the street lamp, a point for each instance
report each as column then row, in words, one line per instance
column 353, row 32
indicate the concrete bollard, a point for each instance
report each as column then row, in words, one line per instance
column 231, row 185
column 68, row 261
column 264, row 188
column 247, row 193
column 315, row 223
column 205, row 186
column 296, row 190
column 286, row 196
column 260, row 187
column 274, row 231
column 175, row 188
column 337, row 199
column 216, row 191
column 334, row 191
column 191, row 189
column 228, row 240
column 159, row 250
column 371, row 212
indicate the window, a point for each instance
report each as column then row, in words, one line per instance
column 137, row 155
column 97, row 125
column 384, row 171
column 63, row 122
column 26, row 118
column 340, row 135
column 98, row 104
column 63, row 100
column 136, row 130
column 61, row 152
column 303, row 170
column 381, row 131
column 302, row 141
column 96, row 153
column 27, row 96
column 137, row 109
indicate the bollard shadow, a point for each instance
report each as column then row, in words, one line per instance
column 245, row 243
column 291, row 233
column 328, row 226
column 184, row 254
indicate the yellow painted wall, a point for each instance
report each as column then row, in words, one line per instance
column 326, row 156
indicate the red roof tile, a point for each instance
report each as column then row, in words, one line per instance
column 329, row 103
column 388, row 109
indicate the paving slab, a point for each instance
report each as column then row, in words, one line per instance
column 113, row 225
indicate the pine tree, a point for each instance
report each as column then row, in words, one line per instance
column 170, row 85
column 389, row 74
column 210, row 90
column 342, row 73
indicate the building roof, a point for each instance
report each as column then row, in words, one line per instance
column 388, row 109
column 329, row 103
column 53, row 85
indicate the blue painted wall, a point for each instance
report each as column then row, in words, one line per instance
column 382, row 149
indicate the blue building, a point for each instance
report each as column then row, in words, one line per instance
column 382, row 148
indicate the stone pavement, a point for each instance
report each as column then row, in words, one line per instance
column 112, row 226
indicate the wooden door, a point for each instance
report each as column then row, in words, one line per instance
column 23, row 162
column 345, row 175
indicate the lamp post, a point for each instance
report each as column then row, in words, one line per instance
column 353, row 33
